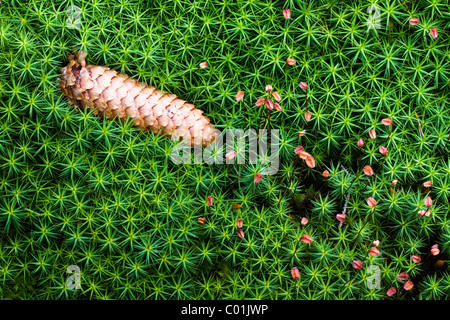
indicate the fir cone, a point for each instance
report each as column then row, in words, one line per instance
column 113, row 94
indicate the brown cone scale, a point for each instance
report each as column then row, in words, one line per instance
column 113, row 94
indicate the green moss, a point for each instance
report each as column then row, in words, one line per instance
column 80, row 190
